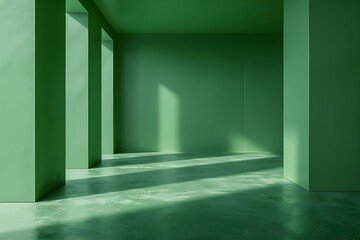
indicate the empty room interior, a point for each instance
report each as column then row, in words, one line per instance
column 179, row 119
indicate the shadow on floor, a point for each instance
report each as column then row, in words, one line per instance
column 128, row 181
column 158, row 158
column 279, row 212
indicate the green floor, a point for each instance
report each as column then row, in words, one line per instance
column 184, row 196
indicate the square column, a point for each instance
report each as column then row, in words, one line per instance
column 322, row 93
column 32, row 99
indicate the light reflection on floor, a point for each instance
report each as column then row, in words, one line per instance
column 184, row 196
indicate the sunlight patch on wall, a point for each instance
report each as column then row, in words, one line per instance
column 169, row 106
column 296, row 153
column 236, row 140
column 77, row 90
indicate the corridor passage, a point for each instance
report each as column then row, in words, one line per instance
column 158, row 196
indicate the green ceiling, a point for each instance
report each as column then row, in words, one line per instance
column 194, row 16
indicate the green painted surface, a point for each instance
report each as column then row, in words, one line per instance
column 296, row 92
column 157, row 196
column 84, row 136
column 93, row 10
column 17, row 100
column 74, row 6
column 50, row 96
column 187, row 93
column 264, row 94
column 77, row 90
column 105, row 36
column 321, row 87
column 33, row 99
column 334, row 95
column 107, row 105
column 196, row 16
column 117, row 95
column 94, row 127
column 100, row 22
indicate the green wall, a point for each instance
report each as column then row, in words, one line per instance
column 77, row 90
column 322, row 88
column 201, row 93
column 84, row 54
column 97, row 22
column 32, row 96
column 17, row 100
column 296, row 91
column 117, row 94
column 50, row 96
column 264, row 94
column 32, row 124
column 107, row 100
column 334, row 95
column 94, row 91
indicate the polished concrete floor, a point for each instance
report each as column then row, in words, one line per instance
column 154, row 196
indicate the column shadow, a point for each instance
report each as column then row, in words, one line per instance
column 283, row 211
column 158, row 158
column 137, row 180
